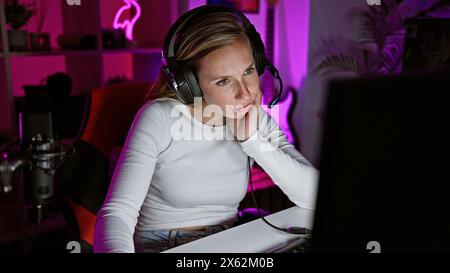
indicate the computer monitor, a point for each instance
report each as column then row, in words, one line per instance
column 384, row 167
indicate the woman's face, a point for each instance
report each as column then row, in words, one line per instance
column 228, row 79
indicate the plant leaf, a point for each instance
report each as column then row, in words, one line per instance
column 339, row 62
column 392, row 59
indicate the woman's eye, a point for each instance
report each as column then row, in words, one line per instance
column 249, row 71
column 223, row 82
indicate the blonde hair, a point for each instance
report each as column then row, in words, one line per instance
column 198, row 38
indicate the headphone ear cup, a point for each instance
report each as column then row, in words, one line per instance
column 191, row 80
column 188, row 87
column 259, row 51
column 260, row 62
column 174, row 82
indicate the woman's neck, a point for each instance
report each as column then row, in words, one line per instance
column 197, row 112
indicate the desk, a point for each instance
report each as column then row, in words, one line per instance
column 253, row 237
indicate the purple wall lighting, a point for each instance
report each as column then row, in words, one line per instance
column 126, row 24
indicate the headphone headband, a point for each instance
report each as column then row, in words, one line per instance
column 169, row 41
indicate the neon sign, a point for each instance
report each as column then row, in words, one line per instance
column 127, row 25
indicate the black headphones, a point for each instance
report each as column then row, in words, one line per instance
column 180, row 77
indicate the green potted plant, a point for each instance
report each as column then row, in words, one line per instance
column 17, row 15
column 379, row 51
column 40, row 41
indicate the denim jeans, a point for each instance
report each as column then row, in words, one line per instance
column 155, row 241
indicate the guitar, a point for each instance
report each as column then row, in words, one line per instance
column 282, row 111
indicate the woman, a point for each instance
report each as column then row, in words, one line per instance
column 183, row 169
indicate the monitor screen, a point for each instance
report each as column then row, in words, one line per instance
column 384, row 179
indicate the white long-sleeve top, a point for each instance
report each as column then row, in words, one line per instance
column 174, row 171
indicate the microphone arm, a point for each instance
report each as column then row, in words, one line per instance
column 272, row 69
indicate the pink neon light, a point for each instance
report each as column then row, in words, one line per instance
column 127, row 25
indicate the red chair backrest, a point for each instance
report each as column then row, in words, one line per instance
column 112, row 111
column 111, row 114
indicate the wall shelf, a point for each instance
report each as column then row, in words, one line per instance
column 87, row 68
column 49, row 53
column 133, row 51
column 58, row 52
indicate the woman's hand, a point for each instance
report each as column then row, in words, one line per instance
column 244, row 125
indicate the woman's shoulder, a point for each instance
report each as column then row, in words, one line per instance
column 161, row 107
column 154, row 119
